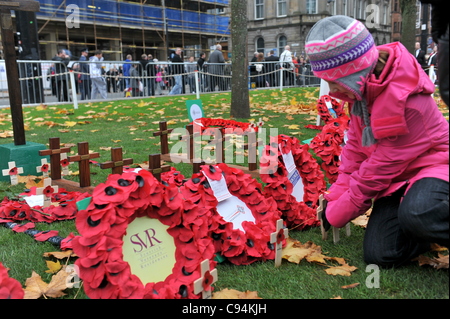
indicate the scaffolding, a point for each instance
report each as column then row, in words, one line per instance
column 119, row 28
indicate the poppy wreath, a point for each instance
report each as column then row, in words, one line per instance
column 274, row 174
column 17, row 209
column 102, row 226
column 10, row 288
column 207, row 124
column 239, row 247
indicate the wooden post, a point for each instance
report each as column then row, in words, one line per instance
column 9, row 52
column 164, row 137
column 83, row 158
column 55, row 152
column 154, row 166
column 320, row 210
column 117, row 162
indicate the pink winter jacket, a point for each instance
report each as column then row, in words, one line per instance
column 412, row 139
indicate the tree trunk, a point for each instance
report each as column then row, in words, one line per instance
column 409, row 15
column 240, row 101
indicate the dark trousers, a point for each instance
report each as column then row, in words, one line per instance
column 401, row 227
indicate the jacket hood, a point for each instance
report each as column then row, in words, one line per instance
column 386, row 96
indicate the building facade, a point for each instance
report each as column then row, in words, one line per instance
column 122, row 27
column 273, row 24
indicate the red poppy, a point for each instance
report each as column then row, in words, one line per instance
column 10, row 288
column 45, row 235
column 44, row 168
column 65, row 162
column 13, row 171
column 24, row 227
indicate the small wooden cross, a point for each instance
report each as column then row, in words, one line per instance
column 163, row 133
column 83, row 158
column 64, row 165
column 208, row 277
column 13, row 172
column 47, row 190
column 277, row 239
column 117, row 162
column 56, row 152
column 322, row 207
column 154, row 166
column 44, row 168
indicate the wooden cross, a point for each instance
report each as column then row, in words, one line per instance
column 47, row 190
column 13, row 172
column 83, row 158
column 55, row 151
column 64, row 165
column 9, row 52
column 163, row 133
column 322, row 207
column 208, row 277
column 154, row 166
column 117, row 162
column 44, row 168
column 277, row 239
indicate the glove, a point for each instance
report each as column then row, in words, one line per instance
column 326, row 225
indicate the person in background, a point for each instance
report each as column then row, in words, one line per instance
column 85, row 79
column 396, row 157
column 98, row 81
column 191, row 67
column 62, row 59
column 271, row 67
column 420, row 55
column 126, row 70
column 177, row 70
column 439, row 32
column 216, row 68
column 135, row 80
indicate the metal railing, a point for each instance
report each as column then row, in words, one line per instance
column 53, row 82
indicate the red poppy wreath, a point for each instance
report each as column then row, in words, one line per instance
column 240, row 245
column 298, row 212
column 103, row 226
column 10, row 288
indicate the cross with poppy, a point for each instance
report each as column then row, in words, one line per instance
column 277, row 239
column 64, row 165
column 55, row 152
column 154, row 166
column 47, row 190
column 44, row 168
column 117, row 162
column 203, row 284
column 83, row 159
column 320, row 211
column 13, row 171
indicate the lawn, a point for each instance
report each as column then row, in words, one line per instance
column 130, row 124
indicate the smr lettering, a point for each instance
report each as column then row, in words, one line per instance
column 149, row 240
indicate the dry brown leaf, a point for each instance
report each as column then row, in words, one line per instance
column 58, row 284
column 356, row 284
column 441, row 262
column 60, row 254
column 235, row 294
column 343, row 270
column 35, row 287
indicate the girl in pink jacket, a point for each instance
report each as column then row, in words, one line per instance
column 397, row 155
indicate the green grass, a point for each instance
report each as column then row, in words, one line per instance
column 130, row 124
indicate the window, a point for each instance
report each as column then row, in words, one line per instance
column 259, row 9
column 260, row 45
column 311, row 6
column 282, row 42
column 281, row 8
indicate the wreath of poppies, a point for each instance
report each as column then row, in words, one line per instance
column 239, row 247
column 274, row 174
column 102, row 226
column 328, row 143
column 207, row 124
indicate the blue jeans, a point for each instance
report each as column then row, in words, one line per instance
column 177, row 88
column 402, row 226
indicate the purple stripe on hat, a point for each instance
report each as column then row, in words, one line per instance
column 344, row 57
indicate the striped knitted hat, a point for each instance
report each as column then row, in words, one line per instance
column 343, row 51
